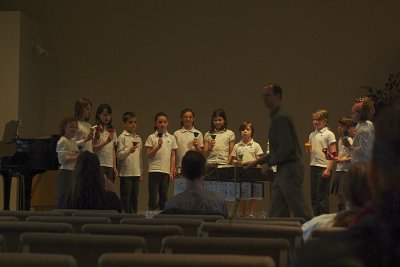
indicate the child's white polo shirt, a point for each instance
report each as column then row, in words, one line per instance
column 184, row 139
column 65, row 149
column 83, row 132
column 220, row 152
column 250, row 150
column 161, row 161
column 319, row 140
column 106, row 153
column 130, row 164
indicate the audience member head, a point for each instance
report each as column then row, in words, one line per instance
column 355, row 187
column 193, row 165
column 356, row 193
column 88, row 187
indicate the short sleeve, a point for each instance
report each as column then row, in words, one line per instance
column 233, row 153
column 207, row 137
column 149, row 142
column 201, row 140
column 174, row 145
column 232, row 137
column 331, row 138
column 258, row 150
column 115, row 138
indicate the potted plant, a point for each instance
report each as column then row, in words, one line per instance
column 385, row 95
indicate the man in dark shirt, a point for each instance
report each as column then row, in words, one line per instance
column 285, row 153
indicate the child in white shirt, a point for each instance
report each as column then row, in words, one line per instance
column 67, row 152
column 323, row 144
column 105, row 142
column 188, row 137
column 342, row 160
column 161, row 150
column 218, row 141
column 84, row 137
column 129, row 155
column 245, row 151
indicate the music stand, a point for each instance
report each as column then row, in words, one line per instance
column 10, row 132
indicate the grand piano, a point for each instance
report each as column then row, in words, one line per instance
column 24, row 158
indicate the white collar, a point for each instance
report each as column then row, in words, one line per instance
column 183, row 130
column 248, row 144
column 126, row 133
column 165, row 133
column 322, row 130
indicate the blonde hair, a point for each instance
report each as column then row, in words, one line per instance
column 321, row 114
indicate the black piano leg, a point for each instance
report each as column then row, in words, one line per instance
column 25, row 190
column 28, row 191
column 7, row 176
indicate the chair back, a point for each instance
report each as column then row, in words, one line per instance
column 291, row 233
column 86, row 249
column 264, row 222
column 182, row 260
column 152, row 233
column 189, row 226
column 35, row 260
column 11, row 231
column 301, row 220
column 3, row 247
column 114, row 217
column 69, row 212
column 8, row 218
column 21, row 215
column 326, row 232
column 277, row 249
column 204, row 217
column 76, row 222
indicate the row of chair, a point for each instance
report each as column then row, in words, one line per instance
column 137, row 260
column 86, row 249
column 222, row 233
column 115, row 216
column 151, row 229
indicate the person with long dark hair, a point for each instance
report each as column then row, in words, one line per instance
column 88, row 190
column 105, row 142
column 219, row 140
